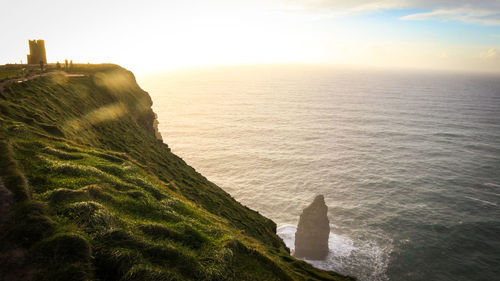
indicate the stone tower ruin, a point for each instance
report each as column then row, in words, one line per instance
column 37, row 52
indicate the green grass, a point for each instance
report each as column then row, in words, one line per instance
column 13, row 71
column 98, row 197
column 10, row 74
column 11, row 174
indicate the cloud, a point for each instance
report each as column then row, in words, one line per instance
column 485, row 12
column 466, row 14
column 489, row 55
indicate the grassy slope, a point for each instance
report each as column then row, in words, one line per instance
column 93, row 195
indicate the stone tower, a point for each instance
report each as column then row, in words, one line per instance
column 37, row 52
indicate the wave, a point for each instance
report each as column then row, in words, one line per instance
column 492, row 184
column 366, row 260
column 482, row 201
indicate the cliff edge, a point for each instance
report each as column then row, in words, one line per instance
column 88, row 191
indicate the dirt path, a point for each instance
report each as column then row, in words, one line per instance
column 20, row 80
column 31, row 77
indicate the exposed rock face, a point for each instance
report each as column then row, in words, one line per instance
column 155, row 126
column 311, row 238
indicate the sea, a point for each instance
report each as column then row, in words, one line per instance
column 408, row 160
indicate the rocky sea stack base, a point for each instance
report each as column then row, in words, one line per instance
column 311, row 238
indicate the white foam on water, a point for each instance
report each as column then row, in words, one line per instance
column 364, row 259
column 287, row 234
column 492, row 184
column 482, row 201
column 341, row 245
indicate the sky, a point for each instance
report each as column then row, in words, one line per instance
column 149, row 35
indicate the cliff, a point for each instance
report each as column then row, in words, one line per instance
column 89, row 192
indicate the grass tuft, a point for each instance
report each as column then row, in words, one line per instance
column 65, row 256
column 110, row 157
column 67, row 247
column 114, row 263
column 77, row 170
column 149, row 187
column 11, row 175
column 29, row 223
column 187, row 265
column 122, row 238
column 142, row 272
column 53, row 130
column 136, row 194
column 64, row 195
column 185, row 234
column 62, row 154
column 91, row 215
column 97, row 192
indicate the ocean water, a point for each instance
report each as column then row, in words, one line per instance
column 408, row 161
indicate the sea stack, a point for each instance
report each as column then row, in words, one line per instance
column 311, row 238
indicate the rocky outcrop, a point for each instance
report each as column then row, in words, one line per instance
column 311, row 238
column 155, row 126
